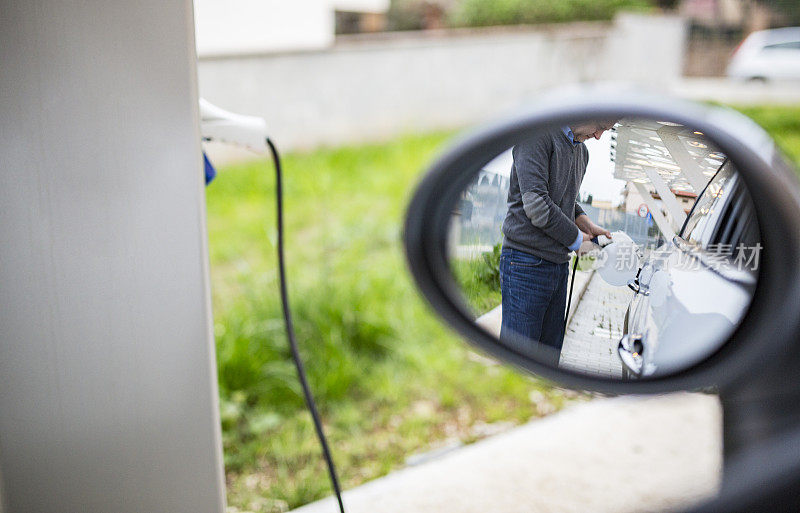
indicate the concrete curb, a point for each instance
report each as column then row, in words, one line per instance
column 618, row 455
column 577, row 296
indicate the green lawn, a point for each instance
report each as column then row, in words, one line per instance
column 390, row 379
column 783, row 124
column 479, row 279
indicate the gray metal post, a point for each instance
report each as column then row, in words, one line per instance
column 108, row 395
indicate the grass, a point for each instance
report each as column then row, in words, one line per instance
column 782, row 122
column 391, row 380
column 480, row 295
column 479, row 279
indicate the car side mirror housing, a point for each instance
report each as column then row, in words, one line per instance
column 683, row 189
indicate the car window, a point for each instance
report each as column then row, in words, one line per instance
column 790, row 45
column 702, row 220
column 750, row 236
column 723, row 224
column 737, row 219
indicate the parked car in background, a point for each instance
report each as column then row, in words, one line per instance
column 767, row 55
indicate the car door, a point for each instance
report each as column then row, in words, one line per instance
column 781, row 60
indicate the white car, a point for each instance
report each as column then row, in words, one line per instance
column 768, row 55
column 692, row 295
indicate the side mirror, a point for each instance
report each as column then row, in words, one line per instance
column 696, row 285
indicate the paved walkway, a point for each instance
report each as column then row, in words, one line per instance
column 595, row 326
column 593, row 332
column 626, row 454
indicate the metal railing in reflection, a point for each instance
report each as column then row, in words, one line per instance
column 478, row 218
column 641, row 229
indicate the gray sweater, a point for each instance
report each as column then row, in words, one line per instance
column 545, row 178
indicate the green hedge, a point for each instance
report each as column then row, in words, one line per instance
column 480, row 13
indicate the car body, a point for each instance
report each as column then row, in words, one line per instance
column 691, row 292
column 767, row 55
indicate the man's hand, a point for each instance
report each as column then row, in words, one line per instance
column 595, row 230
column 586, row 226
column 587, row 244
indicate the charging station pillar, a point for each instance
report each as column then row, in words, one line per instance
column 108, row 392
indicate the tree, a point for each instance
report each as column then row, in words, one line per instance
column 787, row 10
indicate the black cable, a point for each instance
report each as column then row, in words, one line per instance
column 287, row 317
column 571, row 285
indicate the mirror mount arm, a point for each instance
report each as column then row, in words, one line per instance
column 760, row 409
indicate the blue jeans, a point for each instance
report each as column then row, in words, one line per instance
column 534, row 295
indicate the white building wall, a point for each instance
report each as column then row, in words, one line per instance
column 377, row 87
column 375, row 6
column 233, row 27
column 240, row 27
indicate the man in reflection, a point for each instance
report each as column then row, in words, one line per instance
column 544, row 224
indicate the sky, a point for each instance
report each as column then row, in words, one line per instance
column 599, row 180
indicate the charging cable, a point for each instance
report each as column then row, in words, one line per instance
column 287, row 317
column 571, row 286
column 217, row 124
column 600, row 241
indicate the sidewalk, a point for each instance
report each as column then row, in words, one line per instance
column 615, row 455
column 594, row 331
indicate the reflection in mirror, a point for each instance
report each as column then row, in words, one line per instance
column 620, row 248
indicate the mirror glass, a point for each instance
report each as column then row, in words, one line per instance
column 621, row 248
